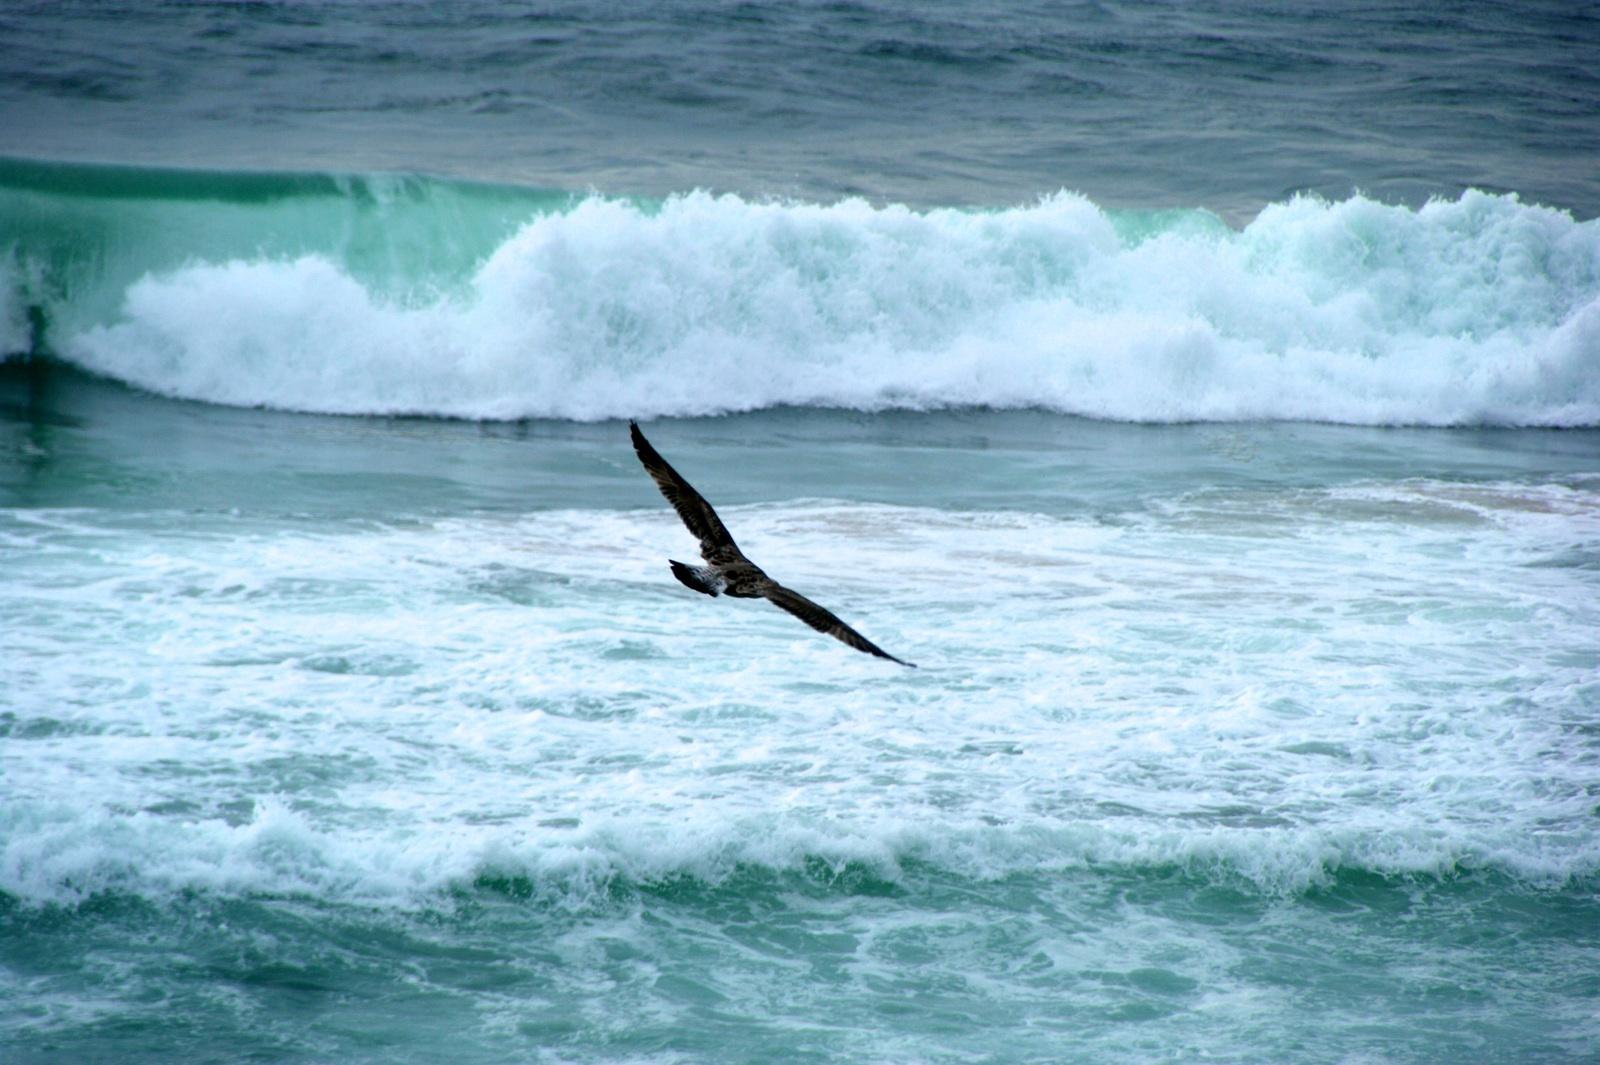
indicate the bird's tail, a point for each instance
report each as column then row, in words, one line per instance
column 701, row 580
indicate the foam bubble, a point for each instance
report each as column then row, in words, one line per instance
column 1480, row 310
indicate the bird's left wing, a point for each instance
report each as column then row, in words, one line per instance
column 825, row 621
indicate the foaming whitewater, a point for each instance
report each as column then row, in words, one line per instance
column 308, row 716
column 383, row 716
column 1483, row 310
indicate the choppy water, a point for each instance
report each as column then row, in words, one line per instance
column 1226, row 104
column 346, row 738
column 1248, row 543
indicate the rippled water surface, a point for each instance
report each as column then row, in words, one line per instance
column 1230, row 105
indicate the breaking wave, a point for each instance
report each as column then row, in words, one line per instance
column 413, row 295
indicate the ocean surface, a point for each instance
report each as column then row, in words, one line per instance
column 1206, row 397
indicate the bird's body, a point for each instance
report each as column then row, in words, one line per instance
column 727, row 571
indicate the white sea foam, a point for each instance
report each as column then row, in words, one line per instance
column 1482, row 310
column 1379, row 678
column 61, row 854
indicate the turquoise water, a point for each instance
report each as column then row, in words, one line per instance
column 1206, row 397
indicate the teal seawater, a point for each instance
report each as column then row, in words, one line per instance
column 79, row 236
column 822, row 965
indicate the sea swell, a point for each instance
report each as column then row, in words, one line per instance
column 416, row 296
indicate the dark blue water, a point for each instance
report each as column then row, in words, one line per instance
column 1227, row 106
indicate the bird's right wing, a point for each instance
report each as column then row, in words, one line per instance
column 715, row 543
column 825, row 621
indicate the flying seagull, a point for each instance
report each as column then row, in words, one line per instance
column 728, row 571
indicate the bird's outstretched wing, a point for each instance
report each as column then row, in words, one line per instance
column 824, row 621
column 715, row 543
